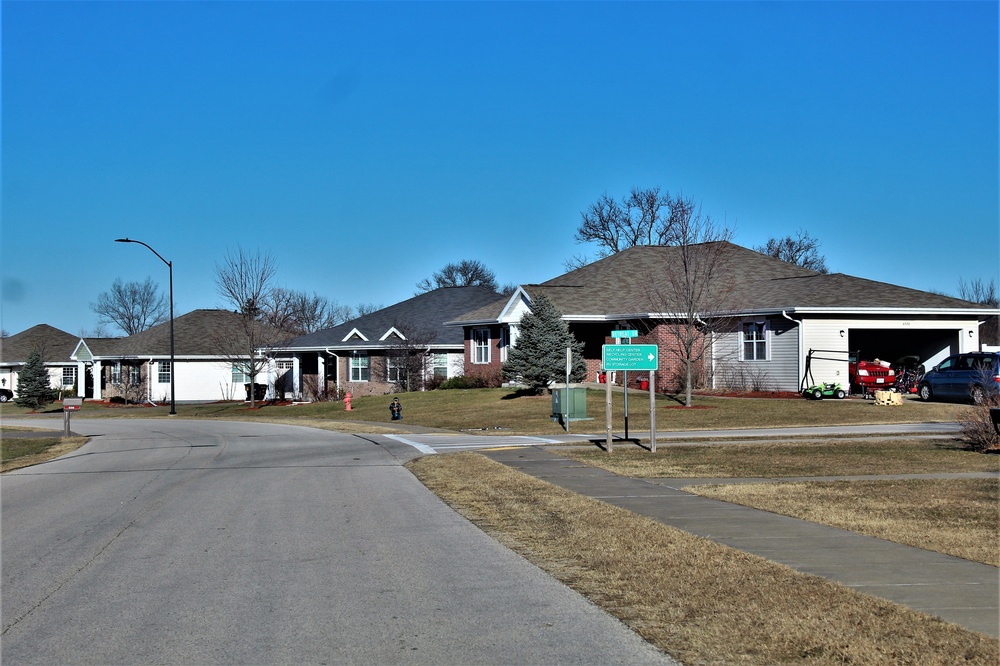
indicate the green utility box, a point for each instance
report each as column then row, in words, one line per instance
column 575, row 403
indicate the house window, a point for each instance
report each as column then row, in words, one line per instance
column 163, row 372
column 116, row 373
column 359, row 368
column 755, row 341
column 440, row 366
column 480, row 345
column 240, row 374
column 134, row 375
column 68, row 376
column 394, row 364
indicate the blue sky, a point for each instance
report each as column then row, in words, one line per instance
column 366, row 145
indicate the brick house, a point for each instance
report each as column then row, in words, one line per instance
column 759, row 319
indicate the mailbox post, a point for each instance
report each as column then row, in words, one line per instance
column 70, row 405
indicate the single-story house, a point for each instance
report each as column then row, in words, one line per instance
column 56, row 350
column 764, row 322
column 138, row 367
column 404, row 345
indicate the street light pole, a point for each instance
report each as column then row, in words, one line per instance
column 170, row 266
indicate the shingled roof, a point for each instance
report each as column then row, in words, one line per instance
column 424, row 313
column 54, row 345
column 195, row 334
column 625, row 284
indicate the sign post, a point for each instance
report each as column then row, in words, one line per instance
column 625, row 358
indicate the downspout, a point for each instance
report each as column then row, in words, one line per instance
column 798, row 326
column 702, row 322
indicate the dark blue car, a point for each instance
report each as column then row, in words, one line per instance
column 972, row 377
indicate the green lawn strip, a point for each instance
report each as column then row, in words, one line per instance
column 506, row 411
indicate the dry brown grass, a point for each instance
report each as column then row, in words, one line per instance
column 702, row 602
column 788, row 459
column 36, row 451
column 959, row 517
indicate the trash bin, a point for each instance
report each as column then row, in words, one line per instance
column 259, row 391
column 576, row 402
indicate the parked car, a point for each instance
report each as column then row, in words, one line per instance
column 6, row 394
column 972, row 377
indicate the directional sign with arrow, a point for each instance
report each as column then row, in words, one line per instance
column 630, row 357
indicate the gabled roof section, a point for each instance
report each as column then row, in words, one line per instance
column 393, row 332
column 421, row 318
column 55, row 346
column 354, row 333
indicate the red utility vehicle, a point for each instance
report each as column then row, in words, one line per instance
column 871, row 376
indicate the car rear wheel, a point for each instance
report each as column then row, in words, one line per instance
column 840, row 395
column 3, row 397
column 817, row 394
column 925, row 392
column 977, row 394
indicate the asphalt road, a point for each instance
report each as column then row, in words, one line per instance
column 179, row 542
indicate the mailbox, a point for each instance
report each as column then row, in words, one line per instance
column 72, row 404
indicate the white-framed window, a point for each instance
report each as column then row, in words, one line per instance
column 753, row 337
column 240, row 374
column 394, row 368
column 480, row 345
column 163, row 372
column 68, row 376
column 134, row 375
column 116, row 373
column 439, row 365
column 359, row 367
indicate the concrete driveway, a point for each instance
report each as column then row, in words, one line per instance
column 174, row 541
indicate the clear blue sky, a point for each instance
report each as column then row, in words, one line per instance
column 366, row 145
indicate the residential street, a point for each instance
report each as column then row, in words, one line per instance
column 173, row 541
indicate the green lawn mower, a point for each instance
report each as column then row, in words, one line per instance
column 821, row 391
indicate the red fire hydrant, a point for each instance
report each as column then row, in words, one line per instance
column 347, row 401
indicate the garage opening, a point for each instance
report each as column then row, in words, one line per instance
column 930, row 346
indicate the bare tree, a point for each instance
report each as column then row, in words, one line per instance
column 802, row 250
column 638, row 219
column 363, row 309
column 466, row 273
column 984, row 293
column 131, row 306
column 244, row 281
column 299, row 313
column 694, row 294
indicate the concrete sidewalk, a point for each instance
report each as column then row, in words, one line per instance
column 956, row 590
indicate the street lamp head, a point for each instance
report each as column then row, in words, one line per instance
column 123, row 240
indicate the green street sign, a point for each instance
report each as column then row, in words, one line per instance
column 630, row 357
column 624, row 334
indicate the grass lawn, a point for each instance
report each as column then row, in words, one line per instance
column 18, row 450
column 504, row 411
column 699, row 601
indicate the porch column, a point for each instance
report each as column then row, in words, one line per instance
column 297, row 377
column 81, row 379
column 98, row 375
column 321, row 370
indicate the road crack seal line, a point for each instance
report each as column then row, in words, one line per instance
column 121, row 507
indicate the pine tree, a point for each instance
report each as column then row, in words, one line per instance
column 539, row 356
column 33, row 390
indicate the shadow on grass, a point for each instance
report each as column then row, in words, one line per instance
column 522, row 393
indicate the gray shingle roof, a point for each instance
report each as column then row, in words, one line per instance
column 421, row 316
column 632, row 282
column 55, row 345
column 194, row 335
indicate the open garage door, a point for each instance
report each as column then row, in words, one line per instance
column 931, row 346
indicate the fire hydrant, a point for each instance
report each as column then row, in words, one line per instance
column 347, row 401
